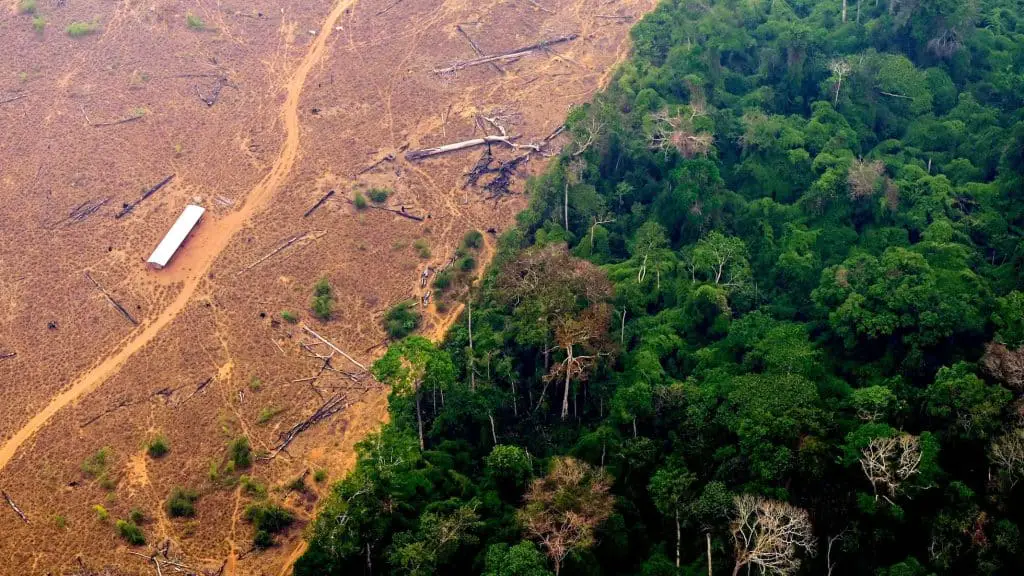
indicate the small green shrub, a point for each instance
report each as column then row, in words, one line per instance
column 39, row 24
column 401, row 320
column 467, row 264
column 137, row 515
column 422, row 247
column 252, row 487
column 319, row 475
column 130, row 533
column 378, row 195
column 267, row 414
column 194, row 22
column 442, row 280
column 360, row 201
column 473, row 239
column 297, row 485
column 268, row 519
column 79, row 29
column 158, row 447
column 182, row 503
column 255, row 384
column 27, row 7
column 60, row 521
column 240, row 453
column 323, row 300
column 289, row 317
column 96, row 465
column 101, row 513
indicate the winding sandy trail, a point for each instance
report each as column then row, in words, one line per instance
column 191, row 267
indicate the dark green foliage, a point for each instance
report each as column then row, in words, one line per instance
column 401, row 320
column 359, row 201
column 137, row 516
column 812, row 230
column 323, row 300
column 181, row 503
column 289, row 317
column 240, row 452
column 378, row 195
column 130, row 532
column 267, row 519
column 473, row 240
column 158, row 447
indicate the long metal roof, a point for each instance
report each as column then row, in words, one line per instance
column 176, row 235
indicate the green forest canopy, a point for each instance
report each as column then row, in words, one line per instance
column 778, row 329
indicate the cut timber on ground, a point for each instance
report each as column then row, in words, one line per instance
column 114, row 303
column 311, row 235
column 319, row 203
column 6, row 355
column 518, row 53
column 401, row 213
column 14, row 507
column 131, row 205
column 476, row 49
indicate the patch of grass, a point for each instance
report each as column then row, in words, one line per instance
column 401, row 320
column 158, row 447
column 297, row 485
column 422, row 247
column 267, row 414
column 255, row 384
column 138, row 112
column 378, row 195
column 473, row 239
column 182, row 503
column 60, row 521
column 195, row 22
column 252, row 487
column 289, row 317
column 101, row 513
column 268, row 519
column 319, row 475
column 137, row 515
column 130, row 533
column 27, row 7
column 96, row 464
column 39, row 24
column 360, row 201
column 442, row 280
column 399, row 245
column 240, row 453
column 323, row 299
column 79, row 29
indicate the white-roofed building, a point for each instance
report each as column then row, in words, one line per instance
column 176, row 235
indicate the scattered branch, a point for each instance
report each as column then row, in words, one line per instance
column 14, row 507
column 311, row 235
column 476, row 48
column 128, row 207
column 388, row 158
column 518, row 53
column 309, row 331
column 6, row 355
column 319, row 203
column 117, row 305
column 13, row 98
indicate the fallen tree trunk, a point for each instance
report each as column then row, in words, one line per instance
column 333, row 347
column 319, row 203
column 14, row 507
column 476, row 48
column 311, row 235
column 428, row 152
column 132, row 118
column 388, row 158
column 518, row 53
column 6, row 355
column 114, row 303
column 12, row 99
column 131, row 206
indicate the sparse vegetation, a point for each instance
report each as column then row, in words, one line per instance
column 137, row 515
column 401, row 320
column 442, row 280
column 323, row 300
column 240, row 453
column 60, row 521
column 101, row 513
column 255, row 384
column 158, row 446
column 267, row 414
column 378, row 195
column 466, row 264
column 268, row 519
column 319, row 475
column 253, row 487
column 39, row 24
column 195, row 22
column 130, row 533
column 359, row 201
column 473, row 240
column 297, row 485
column 289, row 317
column 27, row 7
column 79, row 29
column 182, row 503
column 422, row 247
column 96, row 464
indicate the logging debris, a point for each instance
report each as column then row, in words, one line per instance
column 476, row 49
column 329, row 408
column 514, row 54
column 309, row 331
column 117, row 305
column 136, row 115
column 6, row 355
column 311, row 235
column 13, row 98
column 403, row 213
column 14, row 507
column 124, row 403
column 388, row 158
column 129, row 206
column 504, row 170
column 202, row 386
column 81, row 212
column 319, row 203
column 214, row 91
column 388, row 8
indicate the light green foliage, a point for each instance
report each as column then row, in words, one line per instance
column 27, row 7
column 79, row 29
column 101, row 513
column 401, row 320
column 1009, row 317
column 39, row 24
column 422, row 248
column 267, row 414
column 289, row 317
column 60, row 521
column 968, row 406
column 473, row 240
column 252, row 487
column 320, row 475
column 130, row 532
column 523, row 559
column 194, row 22
column 359, row 201
column 240, row 453
column 267, row 519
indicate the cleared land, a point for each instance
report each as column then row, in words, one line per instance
column 257, row 112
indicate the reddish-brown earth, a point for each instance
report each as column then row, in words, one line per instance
column 316, row 91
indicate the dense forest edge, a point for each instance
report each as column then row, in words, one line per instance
column 763, row 315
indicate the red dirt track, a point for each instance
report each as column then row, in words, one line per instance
column 315, row 92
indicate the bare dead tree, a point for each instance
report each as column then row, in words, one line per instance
column 675, row 132
column 565, row 507
column 1004, row 364
column 889, row 462
column 574, row 335
column 864, row 178
column 1006, row 453
column 586, row 135
column 770, row 534
column 840, row 67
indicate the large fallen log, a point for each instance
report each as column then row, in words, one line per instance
column 311, row 235
column 114, row 303
column 333, row 347
column 477, row 49
column 428, row 152
column 319, row 203
column 6, row 355
column 14, row 507
column 128, row 207
column 329, row 408
column 517, row 53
